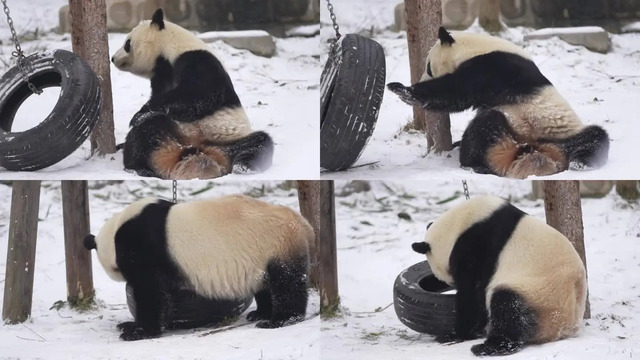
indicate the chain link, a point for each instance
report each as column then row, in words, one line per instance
column 332, row 15
column 175, row 192
column 19, row 53
column 466, row 189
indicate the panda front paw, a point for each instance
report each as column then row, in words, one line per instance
column 268, row 324
column 135, row 332
column 127, row 326
column 404, row 93
column 255, row 315
column 448, row 338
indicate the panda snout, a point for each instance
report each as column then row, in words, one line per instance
column 90, row 242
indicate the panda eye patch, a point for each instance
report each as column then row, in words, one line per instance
column 429, row 69
column 127, row 45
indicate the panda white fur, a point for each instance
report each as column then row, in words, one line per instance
column 513, row 273
column 522, row 127
column 194, row 125
column 225, row 248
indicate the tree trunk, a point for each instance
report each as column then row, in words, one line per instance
column 21, row 252
column 75, row 215
column 89, row 40
column 489, row 15
column 309, row 200
column 424, row 17
column 628, row 189
column 564, row 212
column 329, row 297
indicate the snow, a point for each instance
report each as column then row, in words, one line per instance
column 67, row 334
column 571, row 30
column 232, row 34
column 374, row 246
column 280, row 95
column 602, row 88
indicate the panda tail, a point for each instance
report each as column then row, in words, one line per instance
column 173, row 161
column 589, row 147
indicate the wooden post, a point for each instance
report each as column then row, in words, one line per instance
column 21, row 252
column 564, row 212
column 75, row 215
column 329, row 296
column 89, row 40
column 424, row 17
column 309, row 200
column 489, row 15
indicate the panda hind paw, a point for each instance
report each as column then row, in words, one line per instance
column 127, row 326
column 493, row 347
column 137, row 333
column 448, row 338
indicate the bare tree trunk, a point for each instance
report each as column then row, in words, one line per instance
column 90, row 41
column 21, row 252
column 628, row 189
column 564, row 213
column 489, row 15
column 309, row 200
column 329, row 296
column 424, row 17
column 75, row 215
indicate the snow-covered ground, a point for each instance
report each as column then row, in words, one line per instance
column 67, row 334
column 280, row 95
column 374, row 246
column 602, row 88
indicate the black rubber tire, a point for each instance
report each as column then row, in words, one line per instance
column 351, row 90
column 191, row 310
column 67, row 126
column 429, row 312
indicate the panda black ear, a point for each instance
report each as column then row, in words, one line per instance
column 445, row 37
column 421, row 247
column 158, row 19
column 90, row 242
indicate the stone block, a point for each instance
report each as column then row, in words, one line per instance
column 593, row 38
column 456, row 14
column 257, row 41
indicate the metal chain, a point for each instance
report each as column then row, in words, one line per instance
column 18, row 53
column 465, row 188
column 332, row 15
column 175, row 192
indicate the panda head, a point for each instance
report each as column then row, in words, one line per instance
column 104, row 243
column 444, row 232
column 453, row 48
column 153, row 39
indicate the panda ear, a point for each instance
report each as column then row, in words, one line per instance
column 445, row 37
column 90, row 242
column 158, row 19
column 421, row 247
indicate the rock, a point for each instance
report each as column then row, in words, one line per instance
column 257, row 41
column 456, row 14
column 593, row 38
column 353, row 187
column 400, row 16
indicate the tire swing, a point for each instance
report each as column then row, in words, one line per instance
column 351, row 89
column 190, row 310
column 70, row 122
column 420, row 299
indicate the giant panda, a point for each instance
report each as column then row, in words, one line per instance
column 194, row 125
column 513, row 273
column 523, row 126
column 224, row 248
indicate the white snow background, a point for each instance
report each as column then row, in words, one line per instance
column 280, row 95
column 603, row 89
column 374, row 246
column 67, row 334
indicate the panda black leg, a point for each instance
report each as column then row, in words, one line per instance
column 288, row 286
column 512, row 324
column 263, row 302
column 152, row 306
column 142, row 139
column 252, row 153
column 470, row 313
